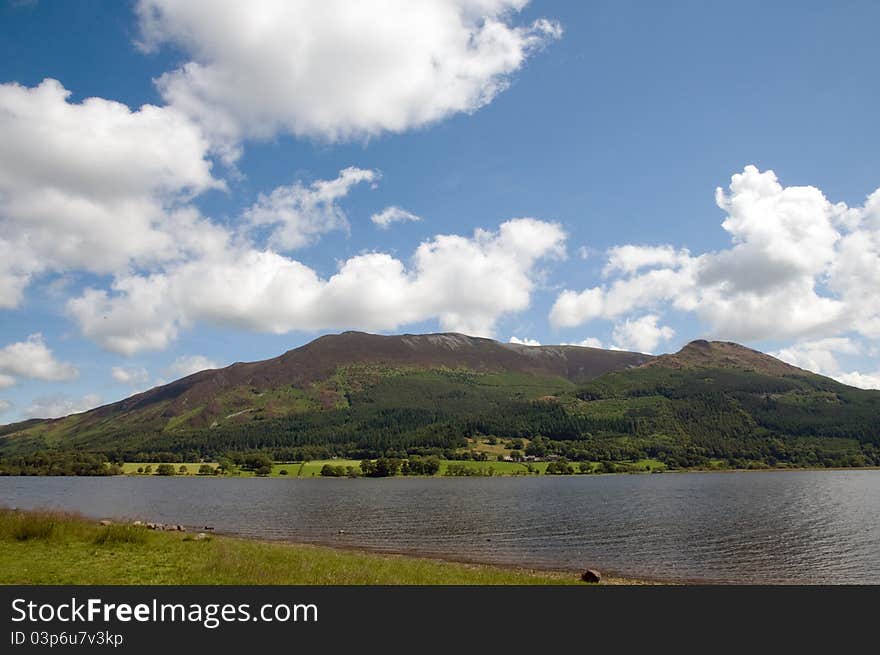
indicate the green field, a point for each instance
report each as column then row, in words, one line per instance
column 313, row 469
column 498, row 468
column 52, row 548
column 192, row 468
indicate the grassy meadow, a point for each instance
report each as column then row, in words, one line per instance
column 476, row 448
column 312, row 469
column 55, row 548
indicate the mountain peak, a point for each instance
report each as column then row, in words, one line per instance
column 701, row 353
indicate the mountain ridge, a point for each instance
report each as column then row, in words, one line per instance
column 696, row 353
column 362, row 395
column 318, row 359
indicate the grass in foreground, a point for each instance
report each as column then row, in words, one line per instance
column 54, row 548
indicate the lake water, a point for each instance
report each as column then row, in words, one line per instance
column 779, row 527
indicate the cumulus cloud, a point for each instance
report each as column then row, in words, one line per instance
column 641, row 334
column 821, row 356
column 297, row 214
column 629, row 259
column 31, row 358
column 393, row 214
column 589, row 342
column 524, row 342
column 131, row 376
column 5, row 406
column 58, row 405
column 93, row 186
column 799, row 266
column 189, row 364
column 466, row 283
column 336, row 70
column 861, row 380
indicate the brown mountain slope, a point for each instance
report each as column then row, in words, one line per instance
column 202, row 398
column 724, row 354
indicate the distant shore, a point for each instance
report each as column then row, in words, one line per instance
column 481, row 468
column 465, row 469
column 47, row 547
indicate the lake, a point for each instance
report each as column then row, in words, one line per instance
column 762, row 527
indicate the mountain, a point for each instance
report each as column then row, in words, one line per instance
column 724, row 354
column 318, row 376
column 362, row 395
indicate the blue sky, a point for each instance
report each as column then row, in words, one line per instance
column 585, row 141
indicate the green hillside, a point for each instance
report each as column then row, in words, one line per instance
column 710, row 405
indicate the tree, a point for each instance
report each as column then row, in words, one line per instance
column 165, row 469
column 559, row 467
column 206, row 469
column 183, row 470
column 537, row 448
column 256, row 461
column 330, row 471
column 420, row 465
column 382, row 467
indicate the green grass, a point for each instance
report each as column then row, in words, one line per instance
column 498, row 468
column 192, row 468
column 29, row 527
column 78, row 551
column 652, row 464
column 121, row 534
column 313, row 469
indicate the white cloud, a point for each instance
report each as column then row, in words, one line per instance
column 31, row 358
column 583, row 252
column 59, row 405
column 589, row 342
column 393, row 214
column 524, row 342
column 820, row 356
column 189, row 364
column 297, row 214
column 146, row 322
column 92, row 186
column 798, row 267
column 642, row 334
column 629, row 259
column 5, row 406
column 336, row 69
column 131, row 376
column 465, row 283
column 861, row 380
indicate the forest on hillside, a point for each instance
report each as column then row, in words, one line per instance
column 683, row 418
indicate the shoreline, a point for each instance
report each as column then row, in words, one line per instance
column 497, row 475
column 608, row 577
column 28, row 559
